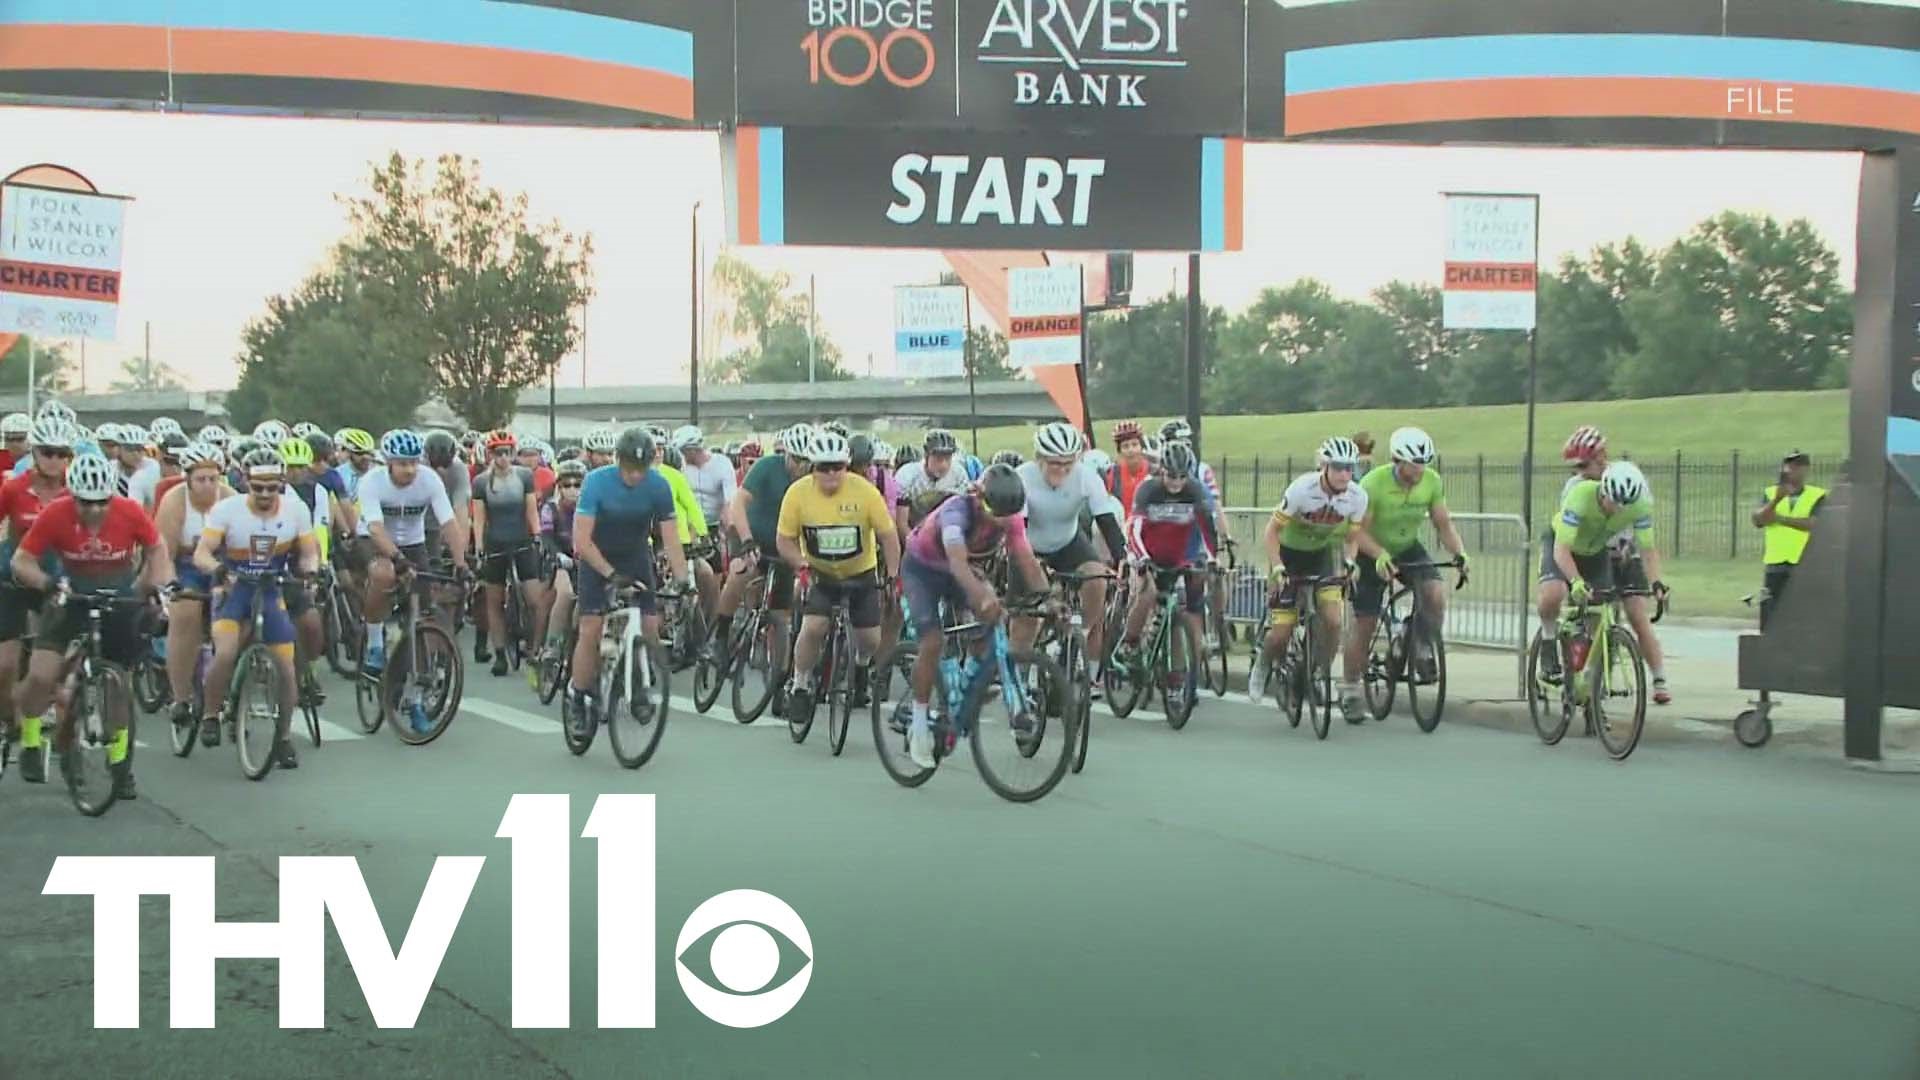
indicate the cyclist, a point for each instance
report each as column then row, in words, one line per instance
column 924, row 484
column 1171, row 529
column 755, row 520
column 533, row 456
column 137, row 473
column 1400, row 500
column 556, row 538
column 1310, row 526
column 443, row 457
column 1586, row 453
column 97, row 538
column 262, row 531
column 1593, row 515
column 1061, row 490
column 13, row 434
column 937, row 567
column 693, row 522
column 506, row 518
column 839, row 526
column 750, row 454
column 394, row 503
column 22, row 499
column 359, row 448
column 181, row 518
column 599, row 446
column 1132, row 468
column 308, row 481
column 620, row 507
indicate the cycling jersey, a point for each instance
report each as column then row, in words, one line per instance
column 767, row 483
column 505, row 498
column 102, row 559
column 1312, row 518
column 556, row 523
column 686, row 508
column 318, row 501
column 713, row 486
column 964, row 521
column 403, row 510
column 254, row 541
column 19, row 508
column 624, row 515
column 919, row 492
column 1171, row 528
column 1053, row 513
column 1125, row 480
column 1586, row 529
column 839, row 533
column 1400, row 511
column 139, row 485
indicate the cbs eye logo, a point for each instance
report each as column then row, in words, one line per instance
column 736, row 937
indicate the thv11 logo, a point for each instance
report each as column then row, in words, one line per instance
column 743, row 954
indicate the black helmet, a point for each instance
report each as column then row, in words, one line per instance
column 1002, row 491
column 838, row 427
column 635, row 445
column 173, row 443
column 1009, row 457
column 860, row 452
column 441, row 446
column 322, row 445
column 905, row 455
column 671, row 457
column 1177, row 460
column 941, row 441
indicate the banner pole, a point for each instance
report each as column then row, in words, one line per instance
column 966, row 352
column 32, row 358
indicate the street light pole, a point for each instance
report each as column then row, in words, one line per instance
column 693, row 328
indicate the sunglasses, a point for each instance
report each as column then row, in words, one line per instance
column 1336, row 467
column 93, row 504
column 16, row 438
column 1058, row 463
column 830, row 466
column 569, row 485
column 46, row 453
column 503, row 451
column 264, row 489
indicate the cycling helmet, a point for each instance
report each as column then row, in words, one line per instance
column 830, row 448
column 213, row 435
column 1003, row 491
column 658, row 432
column 135, row 435
column 1009, row 457
column 503, row 438
column 92, row 478
column 1585, row 444
column 570, row 453
column 940, row 441
column 635, row 444
column 271, row 432
column 51, row 432
column 1176, row 461
column 689, row 437
column 241, row 447
column 321, row 446
column 1339, row 450
column 194, row 455
column 905, row 455
column 1102, row 464
column 882, row 451
column 264, row 461
column 1412, row 446
column 973, row 467
column 797, row 441
column 301, row 430
column 575, row 468
column 296, row 453
column 838, row 427
column 541, row 448
column 1152, row 445
column 402, row 444
column 600, row 440
column 441, row 448
column 861, row 451
column 107, row 433
column 1623, row 484
column 172, row 443
column 1125, row 430
column 750, row 450
column 355, row 440
column 1057, row 440
column 732, row 448
column 670, row 457
column 1176, row 431
column 16, row 424
column 57, row 410
column 164, row 426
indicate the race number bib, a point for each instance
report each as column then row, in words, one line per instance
column 835, row 541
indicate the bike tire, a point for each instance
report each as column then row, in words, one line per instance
column 1319, row 682
column 1217, row 659
column 578, row 741
column 636, row 749
column 345, row 632
column 1430, row 700
column 840, row 694
column 1052, row 732
column 150, row 684
column 253, row 674
column 1080, row 692
column 110, row 690
column 891, row 745
column 1178, row 704
column 555, row 669
column 1551, row 717
column 712, row 670
column 1616, row 738
column 1382, row 681
column 444, row 676
column 753, row 645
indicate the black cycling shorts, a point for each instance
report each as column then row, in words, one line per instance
column 861, row 594
column 1370, row 589
column 524, row 559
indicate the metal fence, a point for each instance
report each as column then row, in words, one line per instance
column 1701, row 503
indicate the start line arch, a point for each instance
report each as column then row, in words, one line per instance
column 1000, row 129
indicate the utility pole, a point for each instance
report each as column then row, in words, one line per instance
column 812, row 298
column 693, row 327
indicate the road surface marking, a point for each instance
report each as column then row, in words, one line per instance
column 332, row 732
column 517, row 719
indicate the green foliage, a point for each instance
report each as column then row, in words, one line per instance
column 139, row 375
column 52, row 366
column 988, row 350
column 769, row 321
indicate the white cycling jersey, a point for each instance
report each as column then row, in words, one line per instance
column 1053, row 513
column 403, row 510
column 913, row 481
column 256, row 541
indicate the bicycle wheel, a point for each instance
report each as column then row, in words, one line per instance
column 891, row 716
column 1181, row 673
column 1022, row 738
column 422, row 685
column 798, row 727
column 366, row 701
column 1216, row 655
column 253, row 710
column 150, row 683
column 1319, row 680
column 635, row 731
column 753, row 669
column 1427, row 699
column 1080, row 692
column 577, row 731
column 555, row 668
column 840, row 693
column 184, row 734
column 1619, row 706
column 97, row 702
column 1381, row 683
column 711, row 668
column 1288, row 682
column 1551, row 715
column 344, row 631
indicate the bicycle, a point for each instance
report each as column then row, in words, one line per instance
column 1169, row 659
column 755, row 655
column 627, row 670
column 1300, row 684
column 556, row 665
column 975, row 660
column 149, row 672
column 835, row 673
column 1587, row 686
column 98, row 696
column 185, row 732
column 253, row 693
column 424, row 673
column 1065, row 631
column 519, row 629
column 1400, row 640
column 1214, row 618
column 345, row 630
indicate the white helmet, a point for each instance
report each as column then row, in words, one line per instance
column 830, row 447
column 1339, row 450
column 92, row 478
column 882, row 452
column 270, row 432
column 107, row 433
column 1412, row 446
column 688, row 437
column 18, row 423
column 600, row 440
column 1152, row 444
column 1101, row 463
column 54, row 409
column 164, row 426
column 305, row 428
column 797, row 441
column 1623, row 483
column 1057, row 440
column 52, row 432
column 212, row 435
column 194, row 455
column 134, row 435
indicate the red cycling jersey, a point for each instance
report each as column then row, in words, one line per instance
column 103, row 559
column 19, row 505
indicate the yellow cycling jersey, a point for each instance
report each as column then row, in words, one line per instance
column 686, row 508
column 838, row 532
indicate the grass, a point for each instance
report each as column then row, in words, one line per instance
column 1712, row 587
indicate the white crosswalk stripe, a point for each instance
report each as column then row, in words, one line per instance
column 332, row 732
column 507, row 715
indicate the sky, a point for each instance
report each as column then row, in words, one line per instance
column 231, row 210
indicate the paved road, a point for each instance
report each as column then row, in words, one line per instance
column 1232, row 900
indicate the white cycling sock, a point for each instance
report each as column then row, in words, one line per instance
column 921, row 720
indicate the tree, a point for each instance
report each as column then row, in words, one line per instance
column 988, row 349
column 328, row 354
column 1366, row 365
column 1268, row 352
column 52, row 366
column 498, row 295
column 139, row 375
column 1582, row 324
column 768, row 328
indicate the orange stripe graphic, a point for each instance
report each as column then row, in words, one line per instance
column 1236, row 194
column 66, row 282
column 33, row 47
column 746, row 154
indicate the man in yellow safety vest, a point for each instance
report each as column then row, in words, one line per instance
column 1785, row 515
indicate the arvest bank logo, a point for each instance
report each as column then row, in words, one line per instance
column 742, row 955
column 1084, row 53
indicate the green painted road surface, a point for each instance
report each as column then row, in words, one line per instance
column 1233, row 900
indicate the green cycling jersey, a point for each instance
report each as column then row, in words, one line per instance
column 1585, row 527
column 1398, row 510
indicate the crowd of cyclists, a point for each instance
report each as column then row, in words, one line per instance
column 823, row 521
